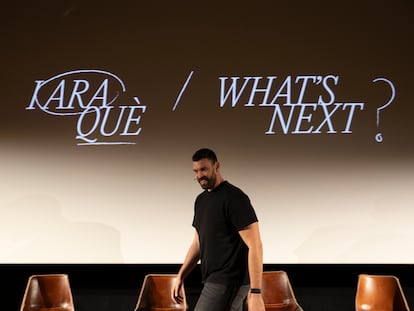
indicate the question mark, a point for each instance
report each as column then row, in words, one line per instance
column 378, row 137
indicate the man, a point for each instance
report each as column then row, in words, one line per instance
column 226, row 240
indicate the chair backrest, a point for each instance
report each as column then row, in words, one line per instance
column 277, row 292
column 48, row 292
column 380, row 293
column 155, row 294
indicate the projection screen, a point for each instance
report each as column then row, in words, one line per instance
column 308, row 106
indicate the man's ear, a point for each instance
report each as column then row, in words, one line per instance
column 217, row 165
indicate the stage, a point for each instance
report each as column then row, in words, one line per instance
column 115, row 287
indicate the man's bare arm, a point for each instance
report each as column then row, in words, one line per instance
column 251, row 236
column 190, row 261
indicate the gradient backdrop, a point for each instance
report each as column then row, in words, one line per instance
column 333, row 195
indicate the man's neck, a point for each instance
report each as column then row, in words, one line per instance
column 218, row 182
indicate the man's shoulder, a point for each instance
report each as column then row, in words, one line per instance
column 231, row 187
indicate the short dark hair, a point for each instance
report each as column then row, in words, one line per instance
column 205, row 153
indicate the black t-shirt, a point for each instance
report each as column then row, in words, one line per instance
column 219, row 215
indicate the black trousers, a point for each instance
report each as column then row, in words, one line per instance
column 220, row 297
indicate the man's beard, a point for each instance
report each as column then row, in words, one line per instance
column 210, row 182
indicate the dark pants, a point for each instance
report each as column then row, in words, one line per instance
column 219, row 297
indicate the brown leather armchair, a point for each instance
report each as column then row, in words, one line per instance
column 380, row 293
column 48, row 292
column 155, row 294
column 277, row 292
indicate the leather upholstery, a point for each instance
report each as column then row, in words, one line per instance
column 379, row 293
column 155, row 294
column 277, row 292
column 48, row 293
